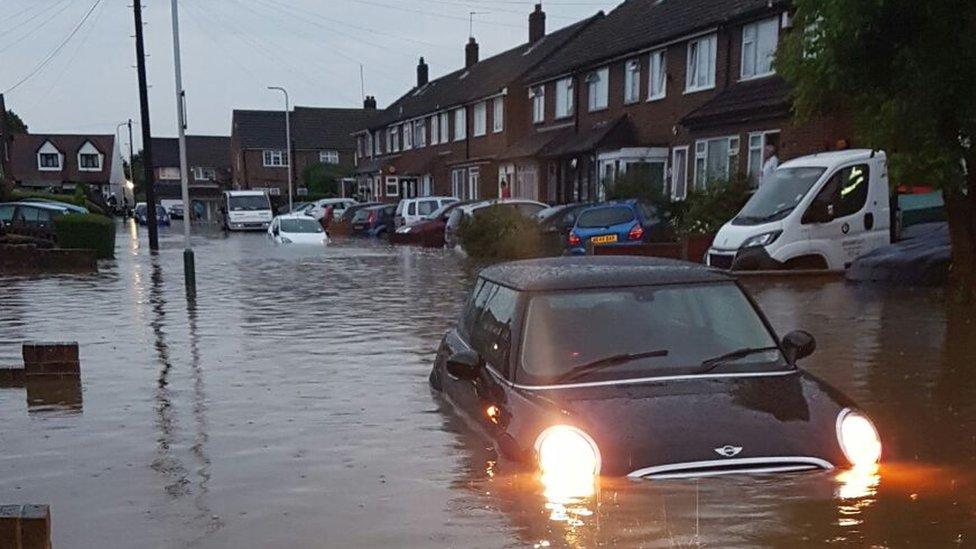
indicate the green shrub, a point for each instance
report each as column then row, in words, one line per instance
column 704, row 211
column 89, row 231
column 501, row 234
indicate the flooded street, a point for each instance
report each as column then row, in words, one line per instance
column 289, row 407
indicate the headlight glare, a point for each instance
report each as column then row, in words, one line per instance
column 858, row 439
column 567, row 452
column 764, row 239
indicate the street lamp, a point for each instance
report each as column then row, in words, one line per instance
column 287, row 141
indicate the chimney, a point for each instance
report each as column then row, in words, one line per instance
column 471, row 53
column 369, row 103
column 537, row 24
column 423, row 73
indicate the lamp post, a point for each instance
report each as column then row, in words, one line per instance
column 287, row 141
column 189, row 265
column 130, row 184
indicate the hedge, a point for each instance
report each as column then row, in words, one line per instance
column 89, row 231
column 500, row 233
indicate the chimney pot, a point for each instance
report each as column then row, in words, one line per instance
column 471, row 53
column 537, row 24
column 423, row 73
column 369, row 103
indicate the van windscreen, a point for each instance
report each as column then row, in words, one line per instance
column 248, row 203
column 778, row 195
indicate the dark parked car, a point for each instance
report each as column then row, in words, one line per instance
column 429, row 232
column 374, row 221
column 556, row 222
column 618, row 223
column 34, row 219
column 141, row 214
column 342, row 226
column 648, row 368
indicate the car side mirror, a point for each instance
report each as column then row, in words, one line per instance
column 798, row 345
column 818, row 212
column 464, row 365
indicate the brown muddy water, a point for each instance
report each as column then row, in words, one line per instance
column 289, row 407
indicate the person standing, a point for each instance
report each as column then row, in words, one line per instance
column 505, row 192
column 770, row 162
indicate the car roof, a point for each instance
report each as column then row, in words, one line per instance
column 572, row 273
column 468, row 208
column 295, row 216
column 40, row 205
column 828, row 159
column 245, row 193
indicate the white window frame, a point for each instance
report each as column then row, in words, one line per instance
column 407, row 130
column 391, row 183
column 474, row 182
column 459, row 177
column 701, row 154
column 275, row 158
column 498, row 115
column 460, row 124
column 564, row 98
column 480, row 119
column 435, row 129
column 445, row 127
column 98, row 162
column 200, row 174
column 694, row 82
column 538, row 95
column 598, row 81
column 48, row 148
column 761, row 135
column 752, row 47
column 420, row 133
column 674, row 173
column 329, row 156
column 632, row 81
column 657, row 73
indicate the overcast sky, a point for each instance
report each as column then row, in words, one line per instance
column 83, row 78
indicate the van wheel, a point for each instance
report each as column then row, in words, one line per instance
column 807, row 263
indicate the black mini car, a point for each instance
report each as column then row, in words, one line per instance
column 641, row 367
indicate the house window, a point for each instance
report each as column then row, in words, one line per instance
column 90, row 162
column 564, row 98
column 329, row 157
column 275, row 159
column 204, row 174
column 377, row 143
column 679, row 173
column 407, row 136
column 49, row 161
column 701, row 64
column 474, row 177
column 445, row 128
column 658, row 83
column 632, row 81
column 392, row 186
column 759, row 42
column 457, row 183
column 480, row 119
column 538, row 95
column 498, row 115
column 169, row 174
column 395, row 146
column 435, row 129
column 757, row 145
column 715, row 160
column 460, row 124
column 598, row 86
column 389, row 139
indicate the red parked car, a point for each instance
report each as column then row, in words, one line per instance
column 430, row 231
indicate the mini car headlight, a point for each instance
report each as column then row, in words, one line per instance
column 764, row 239
column 567, row 452
column 858, row 438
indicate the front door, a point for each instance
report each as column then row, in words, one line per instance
column 844, row 236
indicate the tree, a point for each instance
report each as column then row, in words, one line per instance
column 13, row 123
column 323, row 179
column 905, row 73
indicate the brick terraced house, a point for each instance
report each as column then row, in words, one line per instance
column 209, row 161
column 59, row 162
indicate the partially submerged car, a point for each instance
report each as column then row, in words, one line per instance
column 297, row 228
column 428, row 232
column 639, row 367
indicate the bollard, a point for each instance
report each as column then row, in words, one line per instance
column 25, row 526
column 51, row 359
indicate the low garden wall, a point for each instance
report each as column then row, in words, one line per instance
column 29, row 259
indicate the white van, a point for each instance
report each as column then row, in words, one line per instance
column 412, row 210
column 246, row 211
column 816, row 212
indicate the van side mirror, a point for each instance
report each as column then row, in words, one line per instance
column 464, row 365
column 818, row 212
column 798, row 345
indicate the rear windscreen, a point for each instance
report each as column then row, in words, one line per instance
column 605, row 217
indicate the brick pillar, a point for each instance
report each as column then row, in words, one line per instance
column 59, row 359
column 25, row 526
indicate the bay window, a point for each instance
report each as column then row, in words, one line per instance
column 715, row 160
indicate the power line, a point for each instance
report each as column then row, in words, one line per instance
column 56, row 50
column 65, row 4
column 432, row 13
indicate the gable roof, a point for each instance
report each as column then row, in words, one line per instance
column 483, row 79
column 640, row 24
column 202, row 151
column 23, row 157
column 311, row 127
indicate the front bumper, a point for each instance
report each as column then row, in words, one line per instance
column 249, row 225
column 755, row 258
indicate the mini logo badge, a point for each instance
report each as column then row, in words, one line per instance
column 728, row 451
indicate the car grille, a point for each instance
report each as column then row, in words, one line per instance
column 741, row 466
column 720, row 261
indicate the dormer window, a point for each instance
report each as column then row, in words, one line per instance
column 49, row 158
column 89, row 159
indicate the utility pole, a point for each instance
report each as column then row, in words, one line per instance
column 146, row 134
column 287, row 142
column 132, row 166
column 189, row 268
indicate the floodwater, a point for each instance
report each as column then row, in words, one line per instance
column 289, row 407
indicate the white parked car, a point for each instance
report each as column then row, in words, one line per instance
column 816, row 212
column 412, row 210
column 339, row 205
column 528, row 208
column 297, row 229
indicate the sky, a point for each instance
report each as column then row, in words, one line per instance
column 68, row 66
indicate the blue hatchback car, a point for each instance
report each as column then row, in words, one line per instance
column 618, row 223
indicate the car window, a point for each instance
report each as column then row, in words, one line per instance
column 492, row 332
column 455, row 219
column 529, row 210
column 605, row 217
column 6, row 212
column 846, row 191
column 427, row 207
column 28, row 214
column 309, row 225
column 689, row 324
column 475, row 305
column 647, row 212
column 412, row 208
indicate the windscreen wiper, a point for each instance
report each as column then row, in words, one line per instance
column 601, row 363
column 712, row 363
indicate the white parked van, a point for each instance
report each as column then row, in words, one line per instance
column 816, row 212
column 246, row 211
column 412, row 210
